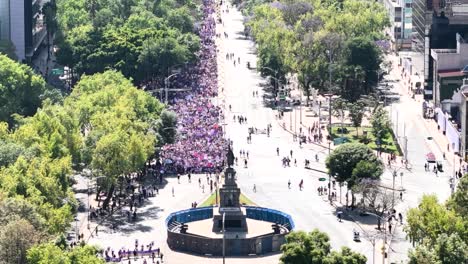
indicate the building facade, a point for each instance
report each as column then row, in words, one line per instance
column 399, row 13
column 450, row 67
column 435, row 25
column 21, row 23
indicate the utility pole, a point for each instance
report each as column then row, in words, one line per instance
column 224, row 239
column 393, row 196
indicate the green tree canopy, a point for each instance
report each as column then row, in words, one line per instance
column 20, row 89
column 48, row 253
column 343, row 161
column 314, row 248
column 380, row 123
column 430, row 220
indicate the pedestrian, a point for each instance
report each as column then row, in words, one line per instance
column 390, row 228
column 178, row 178
column 254, row 188
column 400, row 216
column 172, row 191
column 401, row 195
column 289, row 184
column 189, row 178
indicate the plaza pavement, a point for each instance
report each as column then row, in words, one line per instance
column 308, row 209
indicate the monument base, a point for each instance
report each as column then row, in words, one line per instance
column 235, row 220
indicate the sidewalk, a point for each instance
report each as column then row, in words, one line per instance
column 440, row 140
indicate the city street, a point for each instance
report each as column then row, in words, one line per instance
column 265, row 171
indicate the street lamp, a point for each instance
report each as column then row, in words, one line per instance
column 394, row 174
column 329, row 140
column 166, row 84
column 224, row 239
column 381, row 219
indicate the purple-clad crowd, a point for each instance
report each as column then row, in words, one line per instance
column 200, row 146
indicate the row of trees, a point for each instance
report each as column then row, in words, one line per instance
column 106, row 124
column 142, row 39
column 315, row 38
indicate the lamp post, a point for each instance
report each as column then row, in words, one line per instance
column 166, row 85
column 224, row 239
column 329, row 174
column 381, row 219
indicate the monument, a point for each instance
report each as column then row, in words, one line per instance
column 229, row 205
column 222, row 230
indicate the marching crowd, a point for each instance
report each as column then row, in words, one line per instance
column 200, row 146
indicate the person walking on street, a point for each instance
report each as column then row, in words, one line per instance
column 172, row 191
column 254, row 188
column 289, row 184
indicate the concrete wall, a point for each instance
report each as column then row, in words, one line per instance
column 234, row 247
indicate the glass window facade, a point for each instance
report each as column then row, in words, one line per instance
column 5, row 19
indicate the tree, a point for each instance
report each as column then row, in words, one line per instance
column 451, row 249
column 447, row 250
column 167, row 127
column 458, row 201
column 12, row 209
column 345, row 256
column 305, row 248
column 15, row 239
column 422, row 255
column 380, row 124
column 430, row 220
column 346, row 157
column 374, row 199
column 48, row 253
column 356, row 113
column 362, row 52
column 9, row 152
column 50, row 16
column 20, row 89
column 314, row 248
column 339, row 107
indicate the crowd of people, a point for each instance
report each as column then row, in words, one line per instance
column 200, row 146
column 140, row 251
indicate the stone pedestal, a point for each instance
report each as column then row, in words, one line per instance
column 235, row 219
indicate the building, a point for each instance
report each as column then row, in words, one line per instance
column 21, row 22
column 435, row 24
column 450, row 67
column 400, row 30
column 406, row 23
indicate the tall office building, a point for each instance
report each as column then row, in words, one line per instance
column 21, row 22
column 435, row 25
